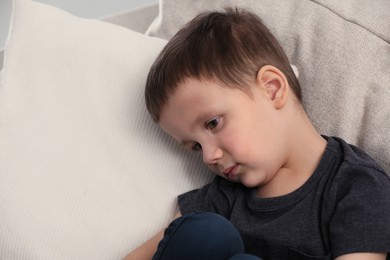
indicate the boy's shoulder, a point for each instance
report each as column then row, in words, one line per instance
column 352, row 162
column 354, row 180
column 357, row 189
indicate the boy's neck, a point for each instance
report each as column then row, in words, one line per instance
column 306, row 150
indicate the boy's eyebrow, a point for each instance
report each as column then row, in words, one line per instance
column 201, row 118
column 186, row 144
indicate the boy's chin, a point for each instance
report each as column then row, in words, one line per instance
column 230, row 179
column 250, row 184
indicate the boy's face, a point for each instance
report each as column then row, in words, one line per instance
column 239, row 135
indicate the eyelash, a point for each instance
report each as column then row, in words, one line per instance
column 213, row 123
column 210, row 126
column 196, row 147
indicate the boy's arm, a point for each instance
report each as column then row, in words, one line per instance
column 363, row 256
column 149, row 248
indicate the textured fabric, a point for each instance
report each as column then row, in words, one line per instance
column 84, row 172
column 342, row 51
column 331, row 214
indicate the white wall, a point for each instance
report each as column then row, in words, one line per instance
column 83, row 8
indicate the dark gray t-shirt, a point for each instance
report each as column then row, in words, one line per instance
column 343, row 208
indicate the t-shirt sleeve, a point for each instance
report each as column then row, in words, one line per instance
column 217, row 197
column 361, row 220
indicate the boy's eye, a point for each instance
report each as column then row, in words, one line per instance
column 213, row 123
column 196, row 147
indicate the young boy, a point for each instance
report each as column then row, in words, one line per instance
column 223, row 87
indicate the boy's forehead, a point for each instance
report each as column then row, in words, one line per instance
column 191, row 99
column 207, row 82
column 185, row 96
column 194, row 97
column 186, row 90
column 192, row 89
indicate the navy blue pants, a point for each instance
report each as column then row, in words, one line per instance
column 201, row 236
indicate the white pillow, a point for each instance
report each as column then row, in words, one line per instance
column 342, row 51
column 84, row 172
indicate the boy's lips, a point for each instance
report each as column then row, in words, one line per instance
column 231, row 171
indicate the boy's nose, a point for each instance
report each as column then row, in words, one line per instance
column 211, row 154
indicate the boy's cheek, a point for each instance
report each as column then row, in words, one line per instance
column 214, row 169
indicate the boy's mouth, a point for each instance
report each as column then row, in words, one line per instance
column 231, row 171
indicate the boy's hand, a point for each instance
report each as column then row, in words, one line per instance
column 149, row 248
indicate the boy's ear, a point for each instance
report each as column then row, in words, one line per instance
column 274, row 83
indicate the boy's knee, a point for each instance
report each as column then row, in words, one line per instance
column 211, row 226
column 201, row 236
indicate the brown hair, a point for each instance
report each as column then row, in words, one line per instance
column 228, row 46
